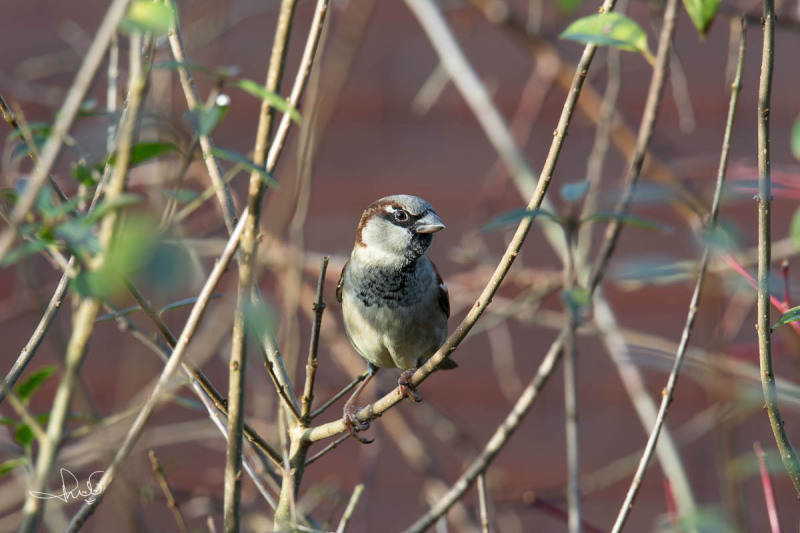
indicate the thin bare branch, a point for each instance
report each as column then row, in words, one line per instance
column 669, row 389
column 497, row 442
column 158, row 472
column 763, row 326
column 311, row 367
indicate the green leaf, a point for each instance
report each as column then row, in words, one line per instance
column 85, row 176
column 21, row 252
column 567, row 7
column 794, row 229
column 204, row 121
column 574, row 191
column 26, row 389
column 23, row 435
column 5, row 421
column 610, row 29
column 577, row 300
column 144, row 151
column 515, row 217
column 234, row 157
column 128, row 252
column 627, row 218
column 275, row 100
column 702, row 13
column 795, row 141
column 148, row 16
column 792, row 315
column 7, row 466
column 220, row 72
column 181, row 196
column 105, row 207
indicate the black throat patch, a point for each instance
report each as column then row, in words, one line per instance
column 390, row 288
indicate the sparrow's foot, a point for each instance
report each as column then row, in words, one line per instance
column 406, row 389
column 353, row 425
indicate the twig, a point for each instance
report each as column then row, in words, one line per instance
column 496, row 443
column 167, row 490
column 482, row 503
column 65, row 117
column 669, row 389
column 192, row 97
column 29, row 350
column 787, row 452
column 571, row 391
column 83, row 321
column 351, row 505
column 326, row 449
column 769, row 491
column 311, row 367
column 22, row 410
column 339, row 394
column 169, row 370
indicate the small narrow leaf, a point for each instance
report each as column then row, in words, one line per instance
column 792, row 315
column 148, row 16
column 275, row 100
column 26, row 389
column 610, row 29
column 514, row 217
column 204, row 121
column 183, row 303
column 144, row 151
column 118, row 202
column 795, row 141
column 574, row 191
column 627, row 218
column 7, row 466
column 702, row 13
column 794, row 229
column 234, row 157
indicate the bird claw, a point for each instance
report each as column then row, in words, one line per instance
column 353, row 425
column 406, row 389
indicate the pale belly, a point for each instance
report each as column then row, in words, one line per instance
column 397, row 337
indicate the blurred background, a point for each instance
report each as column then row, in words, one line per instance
column 387, row 121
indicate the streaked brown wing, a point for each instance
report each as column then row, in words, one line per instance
column 444, row 296
column 341, row 282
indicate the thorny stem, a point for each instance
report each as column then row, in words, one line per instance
column 669, row 389
column 787, row 452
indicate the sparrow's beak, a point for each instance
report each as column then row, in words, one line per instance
column 430, row 223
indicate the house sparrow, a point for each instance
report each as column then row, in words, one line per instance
column 394, row 302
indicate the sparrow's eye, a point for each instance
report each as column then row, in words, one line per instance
column 400, row 215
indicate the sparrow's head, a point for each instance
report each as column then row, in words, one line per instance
column 397, row 229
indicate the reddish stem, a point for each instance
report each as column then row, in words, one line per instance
column 785, row 274
column 779, row 305
column 769, row 493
